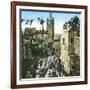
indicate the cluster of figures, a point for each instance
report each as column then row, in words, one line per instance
column 48, row 67
column 44, row 61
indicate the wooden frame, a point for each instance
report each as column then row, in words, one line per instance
column 14, row 44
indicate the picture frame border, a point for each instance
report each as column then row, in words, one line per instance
column 13, row 43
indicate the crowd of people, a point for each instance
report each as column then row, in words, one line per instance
column 47, row 61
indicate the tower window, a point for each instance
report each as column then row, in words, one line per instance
column 63, row 41
column 72, row 40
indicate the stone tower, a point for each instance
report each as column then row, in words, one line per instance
column 66, row 49
column 50, row 27
column 70, row 51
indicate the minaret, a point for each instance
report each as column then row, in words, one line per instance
column 50, row 27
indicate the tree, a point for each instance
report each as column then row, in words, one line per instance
column 73, row 24
column 41, row 21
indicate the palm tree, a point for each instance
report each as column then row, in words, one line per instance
column 29, row 21
column 41, row 21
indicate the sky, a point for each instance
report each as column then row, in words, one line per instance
column 59, row 19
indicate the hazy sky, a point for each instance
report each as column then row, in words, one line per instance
column 59, row 19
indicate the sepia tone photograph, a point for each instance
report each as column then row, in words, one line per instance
column 49, row 44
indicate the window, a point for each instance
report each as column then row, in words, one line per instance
column 63, row 41
column 72, row 40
